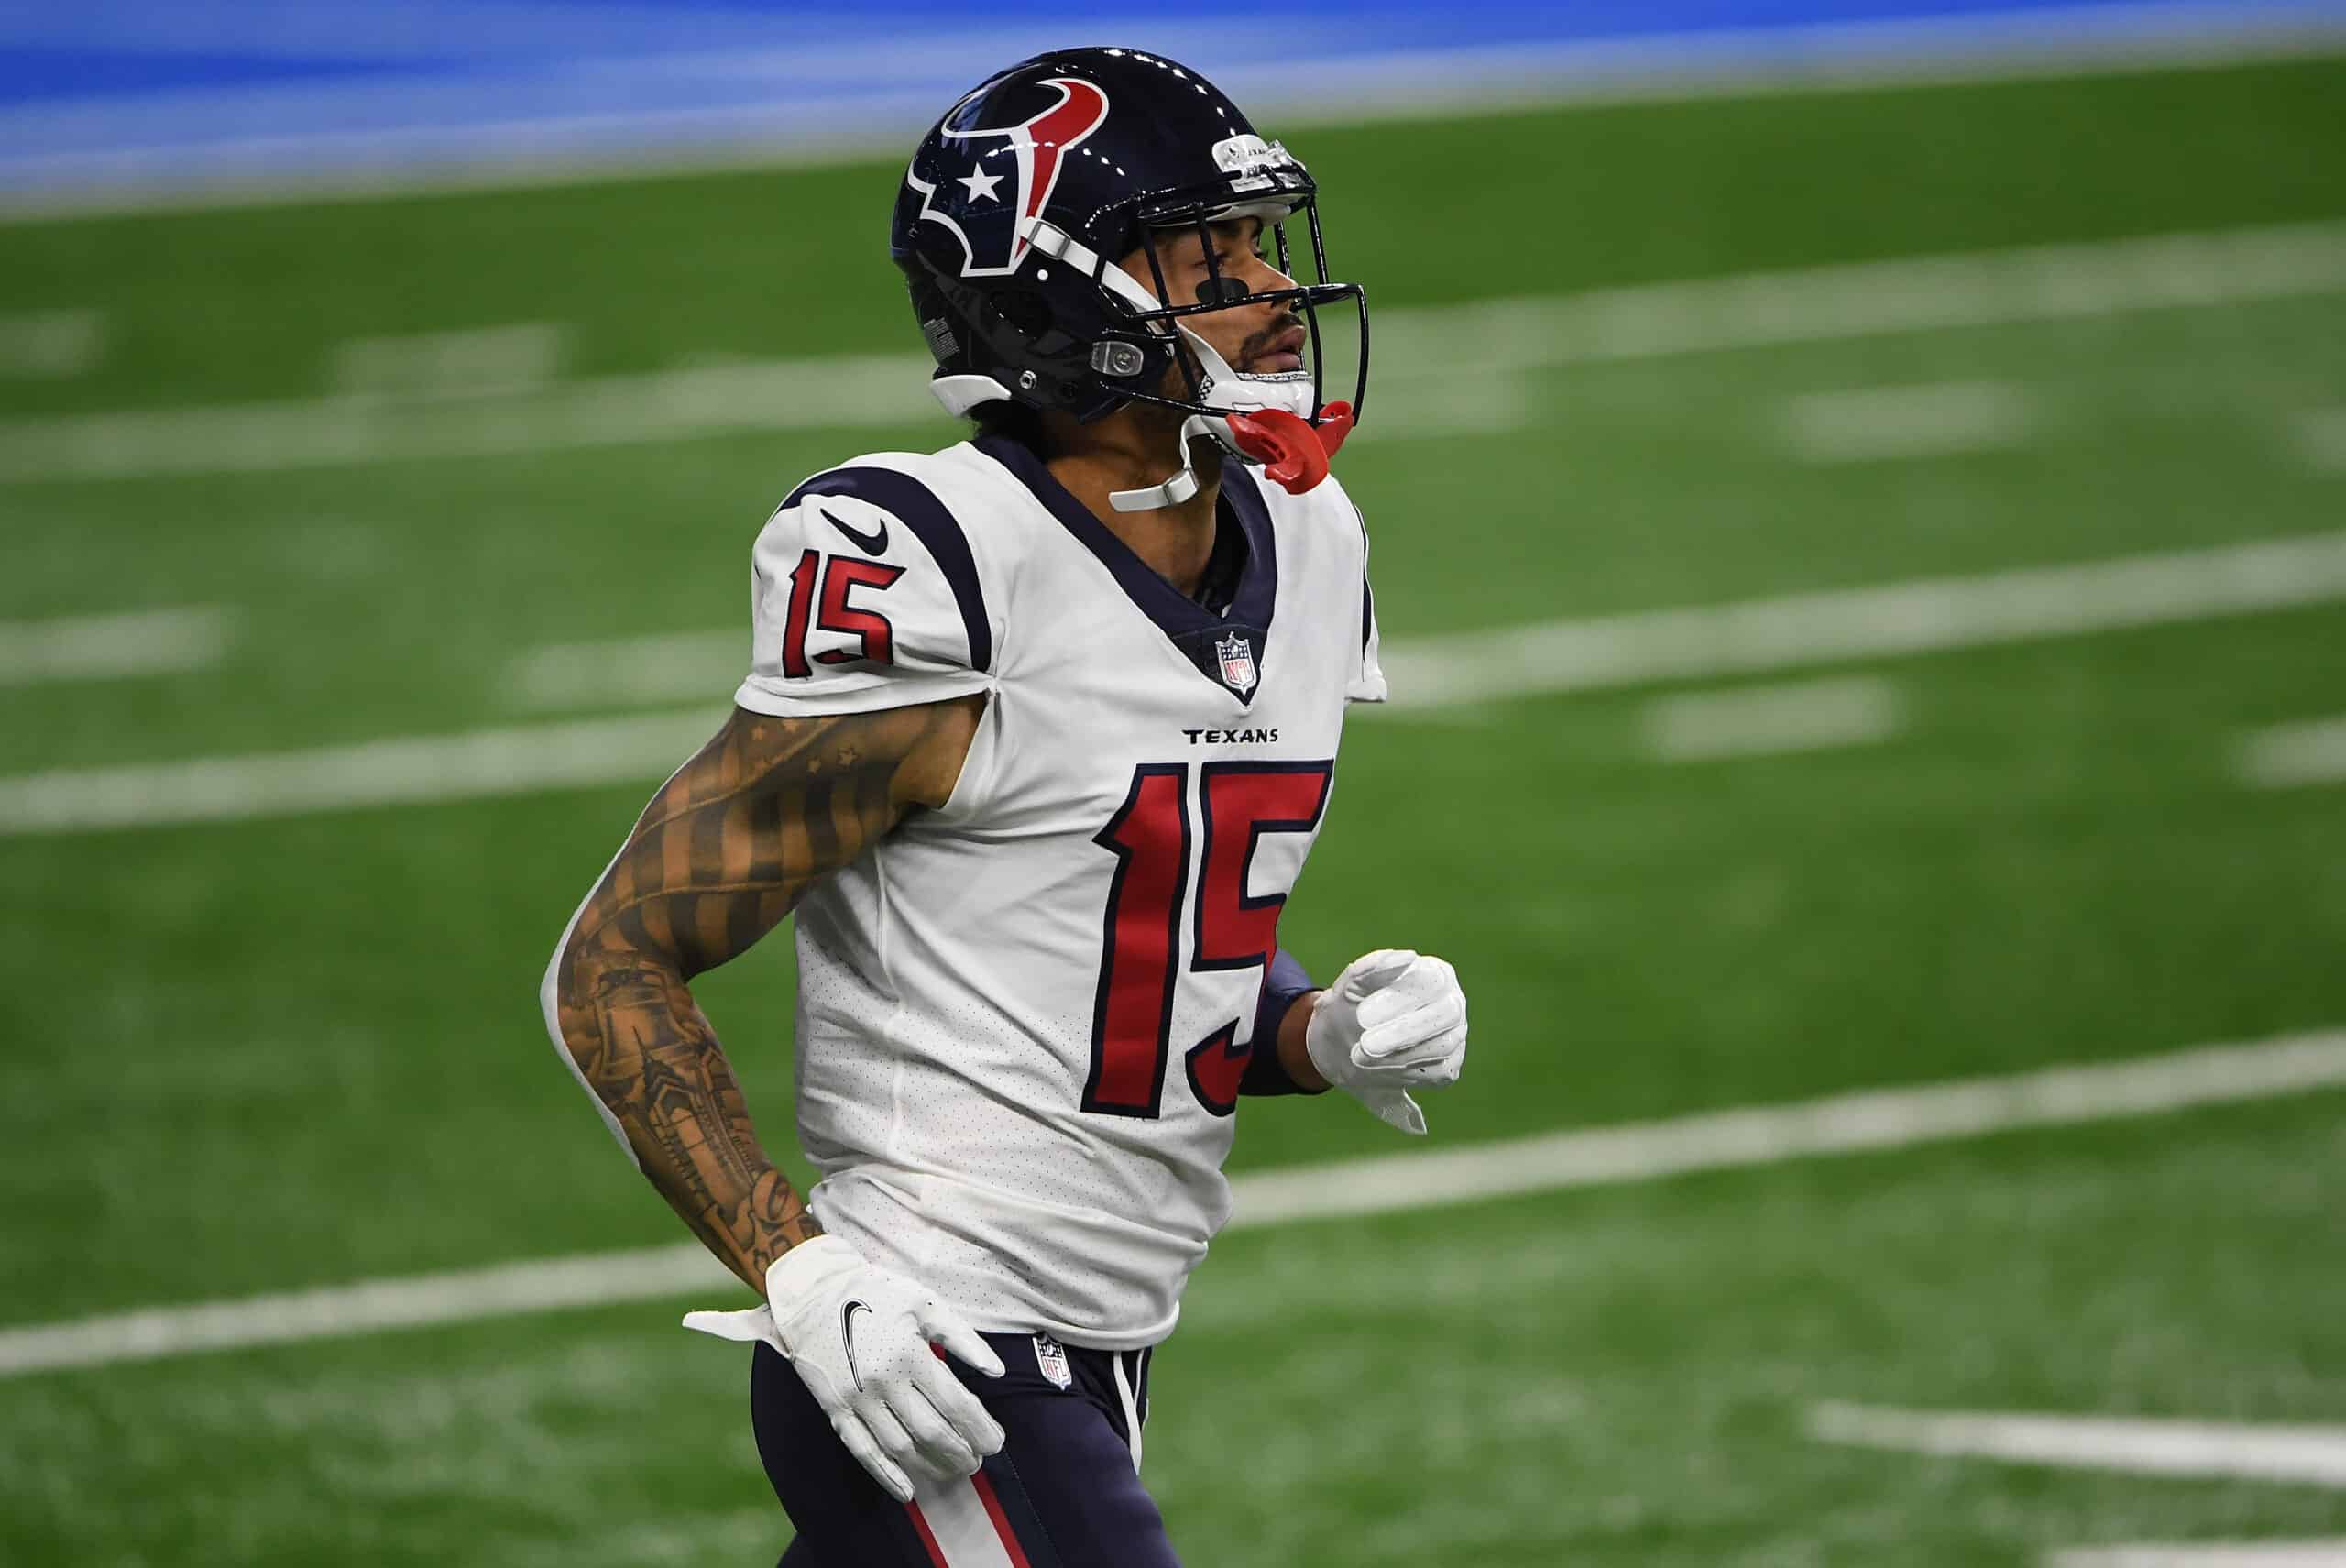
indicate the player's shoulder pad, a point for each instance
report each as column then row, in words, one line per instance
column 884, row 527
column 1322, row 540
column 1345, row 530
column 1325, row 510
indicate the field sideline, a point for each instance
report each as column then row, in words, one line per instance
column 1864, row 571
column 730, row 86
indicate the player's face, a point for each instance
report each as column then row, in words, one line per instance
column 1257, row 339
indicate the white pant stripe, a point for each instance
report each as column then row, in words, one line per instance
column 1131, row 1405
column 957, row 1516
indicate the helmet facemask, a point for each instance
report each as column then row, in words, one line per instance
column 1283, row 420
column 1203, row 371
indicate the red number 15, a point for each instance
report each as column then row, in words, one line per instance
column 1132, row 1025
column 875, row 639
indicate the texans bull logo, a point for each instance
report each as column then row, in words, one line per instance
column 1027, row 158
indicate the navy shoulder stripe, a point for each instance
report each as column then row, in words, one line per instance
column 912, row 504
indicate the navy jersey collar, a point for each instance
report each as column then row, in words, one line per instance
column 1208, row 640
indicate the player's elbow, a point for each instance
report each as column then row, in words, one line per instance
column 565, row 999
column 557, row 999
column 571, row 1023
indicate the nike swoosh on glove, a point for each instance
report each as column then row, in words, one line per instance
column 1392, row 1022
column 859, row 1337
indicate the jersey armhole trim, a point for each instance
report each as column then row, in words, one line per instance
column 1362, row 688
column 868, row 698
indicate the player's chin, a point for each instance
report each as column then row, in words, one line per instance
column 1278, row 364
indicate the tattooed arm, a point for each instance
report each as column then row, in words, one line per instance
column 720, row 855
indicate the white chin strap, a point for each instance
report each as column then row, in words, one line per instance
column 1226, row 390
column 1184, row 481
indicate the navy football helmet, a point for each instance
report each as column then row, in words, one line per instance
column 1022, row 199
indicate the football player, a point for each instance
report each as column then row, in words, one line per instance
column 1037, row 733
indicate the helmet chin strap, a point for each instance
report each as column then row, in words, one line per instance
column 1264, row 421
column 1261, row 420
column 1184, row 482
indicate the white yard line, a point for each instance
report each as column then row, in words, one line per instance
column 48, row 344
column 2306, row 1455
column 1821, row 304
column 2321, row 436
column 1413, row 403
column 2205, row 1554
column 516, row 357
column 628, row 671
column 1802, row 716
column 2289, row 756
column 612, row 411
column 1888, row 621
column 1844, row 1124
column 521, row 760
column 1762, row 1135
column 1696, row 642
column 1871, row 425
column 107, row 647
column 1703, row 315
column 592, row 1279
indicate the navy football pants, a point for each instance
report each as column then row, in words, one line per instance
column 1063, row 1493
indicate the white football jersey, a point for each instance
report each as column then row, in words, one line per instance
column 1022, row 1018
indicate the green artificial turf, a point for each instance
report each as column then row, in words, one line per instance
column 263, row 1055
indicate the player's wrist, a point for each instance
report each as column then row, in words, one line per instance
column 808, row 1266
column 1332, row 1031
column 1294, row 1045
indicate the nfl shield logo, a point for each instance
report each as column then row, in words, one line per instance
column 1050, row 1356
column 1237, row 655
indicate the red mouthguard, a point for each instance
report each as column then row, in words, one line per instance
column 1293, row 453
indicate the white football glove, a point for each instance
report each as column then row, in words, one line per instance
column 860, row 1337
column 1392, row 1022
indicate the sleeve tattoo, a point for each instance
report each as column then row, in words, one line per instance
column 720, row 855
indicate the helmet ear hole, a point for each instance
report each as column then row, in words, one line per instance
column 1114, row 356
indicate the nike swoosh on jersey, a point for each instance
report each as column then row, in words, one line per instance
column 873, row 543
column 847, row 1337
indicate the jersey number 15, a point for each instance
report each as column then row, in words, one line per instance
column 875, row 639
column 1149, row 835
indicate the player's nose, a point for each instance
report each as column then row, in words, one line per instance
column 1266, row 277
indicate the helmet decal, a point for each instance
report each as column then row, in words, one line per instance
column 1248, row 156
column 981, row 218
